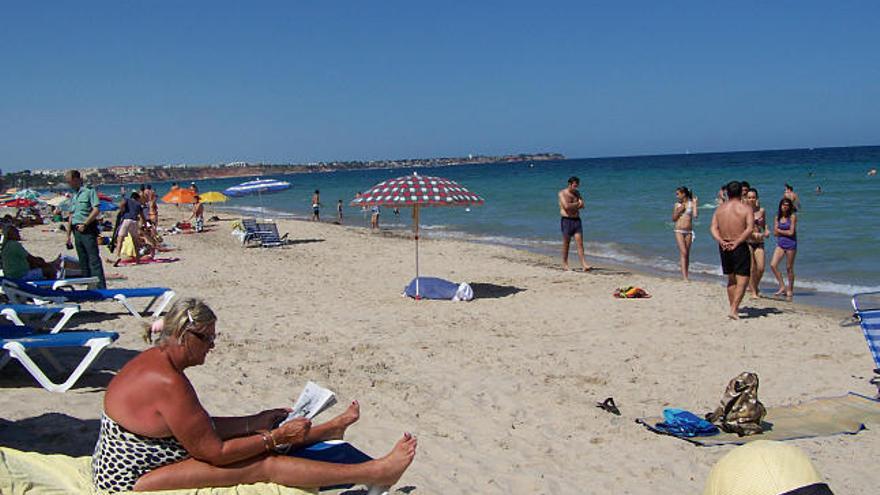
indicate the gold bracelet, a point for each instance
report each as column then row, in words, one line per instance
column 264, row 434
column 272, row 437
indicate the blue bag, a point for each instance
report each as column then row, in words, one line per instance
column 681, row 423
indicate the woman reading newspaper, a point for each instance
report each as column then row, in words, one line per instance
column 155, row 434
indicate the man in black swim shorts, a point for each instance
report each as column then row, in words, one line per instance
column 570, row 204
column 732, row 225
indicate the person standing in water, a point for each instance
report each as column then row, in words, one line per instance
column 316, row 206
column 732, row 225
column 756, row 243
column 339, row 211
column 683, row 214
column 792, row 196
column 785, row 230
column 570, row 204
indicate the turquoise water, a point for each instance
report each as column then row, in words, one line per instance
column 629, row 202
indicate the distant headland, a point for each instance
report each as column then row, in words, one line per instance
column 138, row 174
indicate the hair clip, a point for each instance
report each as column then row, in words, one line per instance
column 190, row 317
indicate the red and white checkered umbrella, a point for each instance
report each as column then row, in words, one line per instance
column 417, row 191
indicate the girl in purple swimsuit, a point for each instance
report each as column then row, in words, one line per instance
column 784, row 229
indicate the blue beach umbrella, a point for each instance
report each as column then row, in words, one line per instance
column 258, row 187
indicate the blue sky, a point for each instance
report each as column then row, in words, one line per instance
column 98, row 83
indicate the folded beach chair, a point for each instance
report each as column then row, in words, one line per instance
column 17, row 341
column 868, row 316
column 14, row 312
column 251, row 230
column 267, row 233
column 21, row 293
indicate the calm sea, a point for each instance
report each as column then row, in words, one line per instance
column 629, row 203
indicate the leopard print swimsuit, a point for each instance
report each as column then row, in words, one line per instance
column 121, row 457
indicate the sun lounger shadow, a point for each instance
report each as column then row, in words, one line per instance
column 90, row 317
column 51, row 433
column 760, row 312
column 304, row 241
column 97, row 376
column 493, row 291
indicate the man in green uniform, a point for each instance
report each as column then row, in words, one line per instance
column 84, row 227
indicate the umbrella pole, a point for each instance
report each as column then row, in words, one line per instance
column 416, row 225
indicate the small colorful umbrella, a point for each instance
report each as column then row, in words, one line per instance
column 213, row 197
column 178, row 196
column 20, row 203
column 417, row 191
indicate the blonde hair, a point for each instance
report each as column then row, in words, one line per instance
column 189, row 314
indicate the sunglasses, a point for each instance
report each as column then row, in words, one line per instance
column 207, row 339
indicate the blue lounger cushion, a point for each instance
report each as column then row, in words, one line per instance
column 32, row 309
column 30, row 339
column 94, row 294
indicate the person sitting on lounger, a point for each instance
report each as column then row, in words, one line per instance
column 155, row 434
column 18, row 263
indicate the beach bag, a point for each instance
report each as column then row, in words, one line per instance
column 740, row 411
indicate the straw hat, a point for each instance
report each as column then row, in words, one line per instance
column 765, row 467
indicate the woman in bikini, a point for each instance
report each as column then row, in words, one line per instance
column 785, row 230
column 155, row 434
column 683, row 214
column 756, row 243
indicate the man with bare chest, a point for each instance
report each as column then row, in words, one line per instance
column 732, row 225
column 570, row 204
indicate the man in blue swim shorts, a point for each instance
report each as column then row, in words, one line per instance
column 570, row 204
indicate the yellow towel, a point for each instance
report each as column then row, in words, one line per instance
column 32, row 473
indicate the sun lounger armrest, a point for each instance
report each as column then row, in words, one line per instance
column 855, row 301
column 89, row 282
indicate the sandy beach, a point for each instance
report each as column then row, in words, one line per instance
column 501, row 391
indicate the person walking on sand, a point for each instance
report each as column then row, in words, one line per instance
column 316, row 206
column 684, row 212
column 339, row 208
column 732, row 225
column 570, row 204
column 83, row 225
column 374, row 217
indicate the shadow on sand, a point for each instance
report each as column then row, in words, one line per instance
column 51, row 433
column 492, row 291
column 97, row 377
column 760, row 312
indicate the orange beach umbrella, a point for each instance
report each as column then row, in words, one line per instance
column 178, row 196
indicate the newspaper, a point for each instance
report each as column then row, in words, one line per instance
column 313, row 400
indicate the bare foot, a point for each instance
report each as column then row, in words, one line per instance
column 733, row 316
column 565, row 267
column 390, row 468
column 780, row 292
column 343, row 421
column 587, row 268
column 788, row 296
